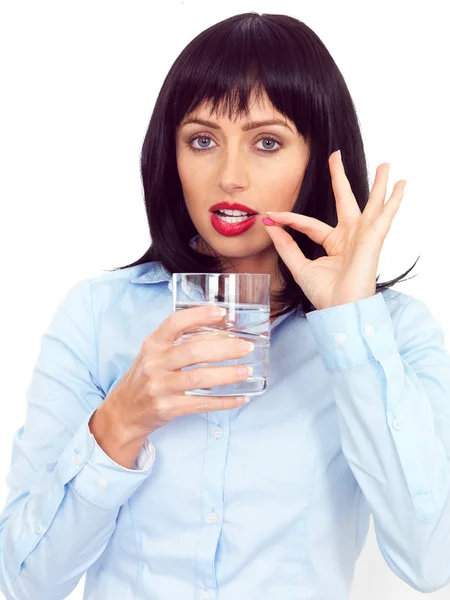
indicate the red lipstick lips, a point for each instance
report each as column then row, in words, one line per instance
column 230, row 229
column 233, row 206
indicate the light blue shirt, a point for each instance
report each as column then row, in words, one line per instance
column 270, row 500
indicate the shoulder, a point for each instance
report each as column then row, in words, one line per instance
column 103, row 289
column 399, row 302
column 395, row 298
column 125, row 276
column 129, row 278
column 412, row 317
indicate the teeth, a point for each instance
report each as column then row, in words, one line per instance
column 233, row 219
column 233, row 213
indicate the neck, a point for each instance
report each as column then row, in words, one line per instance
column 264, row 262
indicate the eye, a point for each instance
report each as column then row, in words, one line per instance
column 204, row 138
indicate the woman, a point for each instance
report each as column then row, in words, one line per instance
column 154, row 494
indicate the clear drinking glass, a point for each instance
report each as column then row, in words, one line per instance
column 246, row 297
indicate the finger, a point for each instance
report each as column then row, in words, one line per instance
column 178, row 322
column 189, row 404
column 316, row 230
column 203, row 378
column 205, row 334
column 212, row 350
column 390, row 208
column 346, row 206
column 377, row 195
column 289, row 251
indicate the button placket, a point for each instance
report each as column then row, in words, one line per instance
column 212, row 517
column 217, row 432
column 369, row 329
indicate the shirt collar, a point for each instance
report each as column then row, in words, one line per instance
column 157, row 273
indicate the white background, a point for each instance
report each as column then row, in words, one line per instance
column 79, row 82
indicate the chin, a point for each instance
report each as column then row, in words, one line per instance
column 240, row 247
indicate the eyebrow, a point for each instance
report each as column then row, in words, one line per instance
column 246, row 127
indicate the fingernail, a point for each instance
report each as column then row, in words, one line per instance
column 242, row 399
column 339, row 154
column 268, row 221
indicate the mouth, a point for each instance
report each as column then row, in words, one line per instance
column 232, row 210
column 230, row 226
column 235, row 206
column 232, row 219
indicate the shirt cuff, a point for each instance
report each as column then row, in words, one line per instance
column 98, row 477
column 353, row 333
column 145, row 458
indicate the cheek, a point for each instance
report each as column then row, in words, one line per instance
column 192, row 176
column 193, row 186
column 183, row 167
column 282, row 193
column 282, row 184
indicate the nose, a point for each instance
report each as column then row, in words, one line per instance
column 233, row 169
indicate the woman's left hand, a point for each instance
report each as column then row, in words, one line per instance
column 353, row 247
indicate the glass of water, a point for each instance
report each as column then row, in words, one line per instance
column 246, row 298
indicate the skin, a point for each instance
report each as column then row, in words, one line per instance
column 241, row 166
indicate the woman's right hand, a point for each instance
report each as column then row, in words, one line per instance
column 150, row 394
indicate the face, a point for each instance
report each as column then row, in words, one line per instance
column 261, row 168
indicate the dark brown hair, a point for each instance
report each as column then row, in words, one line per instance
column 225, row 65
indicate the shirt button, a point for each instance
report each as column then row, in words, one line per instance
column 102, row 483
column 369, row 329
column 396, row 424
column 38, row 528
column 217, row 432
column 78, row 458
column 212, row 517
column 340, row 338
column 203, row 596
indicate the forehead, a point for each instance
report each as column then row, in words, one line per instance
column 258, row 108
